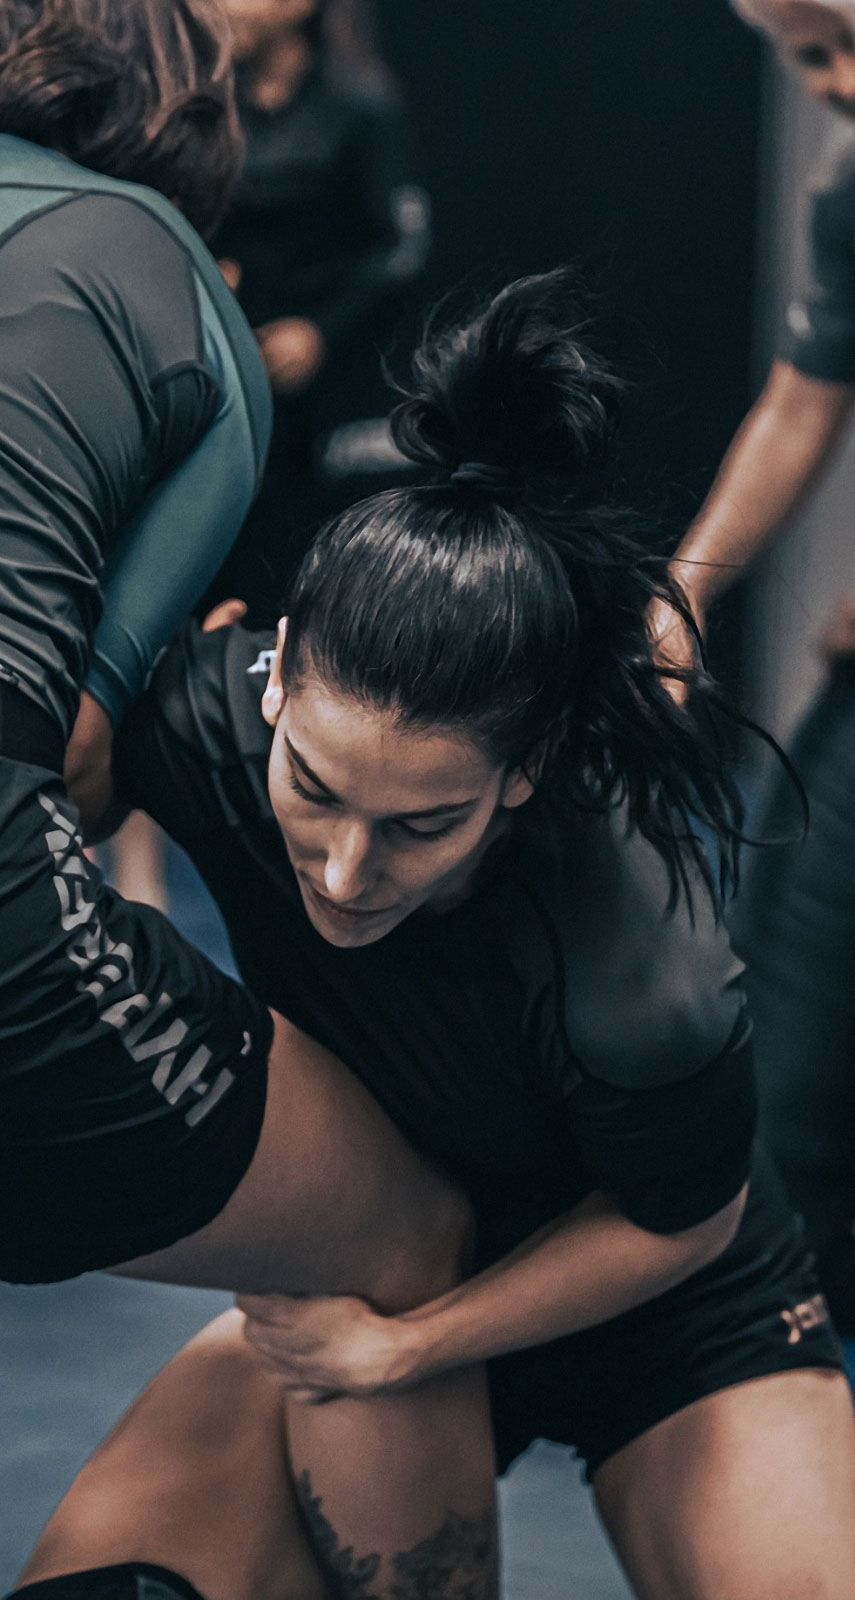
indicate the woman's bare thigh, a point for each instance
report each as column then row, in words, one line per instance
column 334, row 1201
column 748, row 1494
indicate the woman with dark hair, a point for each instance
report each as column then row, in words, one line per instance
column 454, row 839
column 147, row 1103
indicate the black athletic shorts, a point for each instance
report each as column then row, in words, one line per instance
column 132, row 1071
column 755, row 1311
column 133, row 1580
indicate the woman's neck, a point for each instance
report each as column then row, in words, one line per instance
column 272, row 82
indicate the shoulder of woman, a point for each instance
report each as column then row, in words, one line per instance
column 651, row 991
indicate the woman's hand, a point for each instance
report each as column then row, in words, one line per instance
column 232, row 272
column 293, row 350
column 224, row 615
column 326, row 1347
column 674, row 644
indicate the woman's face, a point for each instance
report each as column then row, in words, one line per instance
column 820, row 42
column 379, row 819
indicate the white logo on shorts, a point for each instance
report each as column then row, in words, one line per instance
column 106, row 970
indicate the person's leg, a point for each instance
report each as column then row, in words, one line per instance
column 395, row 1493
column 335, row 1201
column 137, row 861
column 143, row 1104
column 194, row 1479
column 747, row 1494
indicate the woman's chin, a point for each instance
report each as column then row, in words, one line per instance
column 347, row 929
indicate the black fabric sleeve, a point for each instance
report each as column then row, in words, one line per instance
column 820, row 336
column 193, row 751
column 652, row 1062
column 652, row 991
column 396, row 221
column 670, row 1157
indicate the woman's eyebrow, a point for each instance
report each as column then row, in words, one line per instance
column 300, row 762
column 406, row 816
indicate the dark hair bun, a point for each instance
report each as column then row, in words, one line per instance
column 514, row 388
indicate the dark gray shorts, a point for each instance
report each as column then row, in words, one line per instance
column 755, row 1311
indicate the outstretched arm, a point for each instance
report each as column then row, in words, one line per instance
column 775, row 459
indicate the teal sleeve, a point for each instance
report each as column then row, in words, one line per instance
column 178, row 539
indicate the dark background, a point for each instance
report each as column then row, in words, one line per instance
column 621, row 134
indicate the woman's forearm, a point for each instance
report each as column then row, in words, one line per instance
column 575, row 1273
column 775, row 458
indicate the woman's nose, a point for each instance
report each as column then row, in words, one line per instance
column 348, row 868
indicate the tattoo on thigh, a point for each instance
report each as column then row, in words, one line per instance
column 458, row 1562
column 350, row 1573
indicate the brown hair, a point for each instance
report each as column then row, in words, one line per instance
column 138, row 89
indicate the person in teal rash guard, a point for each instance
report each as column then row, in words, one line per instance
column 147, row 1102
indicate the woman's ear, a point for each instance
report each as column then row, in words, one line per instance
column 521, row 782
column 273, row 698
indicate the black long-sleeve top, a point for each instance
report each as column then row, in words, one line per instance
column 327, row 221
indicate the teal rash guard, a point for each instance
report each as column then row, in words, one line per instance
column 134, row 423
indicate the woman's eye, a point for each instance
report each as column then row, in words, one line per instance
column 814, row 57
column 397, row 825
column 423, row 833
column 311, row 795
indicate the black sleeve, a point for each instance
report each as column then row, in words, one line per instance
column 193, row 751
column 820, row 339
column 395, row 214
column 670, row 1157
column 655, row 1060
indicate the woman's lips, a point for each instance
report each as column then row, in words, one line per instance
column 343, row 913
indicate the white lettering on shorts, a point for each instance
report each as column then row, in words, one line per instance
column 150, row 1029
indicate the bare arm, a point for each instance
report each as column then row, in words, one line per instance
column 581, row 1270
column 775, row 458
